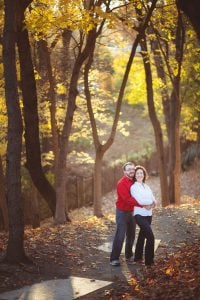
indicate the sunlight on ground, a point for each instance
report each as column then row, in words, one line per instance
column 62, row 289
column 92, row 222
column 87, row 213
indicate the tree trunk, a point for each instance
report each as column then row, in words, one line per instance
column 162, row 75
column 175, row 110
column 61, row 215
column 3, row 202
column 66, row 64
column 35, row 212
column 45, row 58
column 31, row 120
column 15, row 249
column 98, row 183
column 59, row 162
column 61, row 207
column 174, row 151
column 198, row 129
column 156, row 125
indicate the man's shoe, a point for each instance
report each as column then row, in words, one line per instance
column 115, row 263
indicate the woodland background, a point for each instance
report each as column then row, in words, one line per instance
column 84, row 87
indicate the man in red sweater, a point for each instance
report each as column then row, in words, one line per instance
column 124, row 216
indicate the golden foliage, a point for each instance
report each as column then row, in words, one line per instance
column 46, row 17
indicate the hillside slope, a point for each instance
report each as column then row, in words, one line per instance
column 140, row 140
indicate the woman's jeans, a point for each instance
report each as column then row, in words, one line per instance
column 125, row 227
column 145, row 233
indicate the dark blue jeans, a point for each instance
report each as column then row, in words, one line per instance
column 145, row 233
column 125, row 227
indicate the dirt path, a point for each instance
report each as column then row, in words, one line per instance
column 71, row 249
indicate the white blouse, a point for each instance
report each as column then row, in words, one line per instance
column 144, row 196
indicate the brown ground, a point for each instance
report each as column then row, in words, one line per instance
column 60, row 251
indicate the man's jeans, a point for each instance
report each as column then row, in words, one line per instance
column 145, row 233
column 125, row 227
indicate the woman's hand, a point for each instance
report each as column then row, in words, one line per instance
column 148, row 207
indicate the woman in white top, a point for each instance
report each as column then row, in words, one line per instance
column 143, row 216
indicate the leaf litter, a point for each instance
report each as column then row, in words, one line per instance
column 60, row 250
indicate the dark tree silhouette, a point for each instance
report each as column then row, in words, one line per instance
column 192, row 10
column 15, row 249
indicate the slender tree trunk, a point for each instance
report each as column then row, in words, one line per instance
column 61, row 213
column 156, row 125
column 61, row 206
column 162, row 75
column 66, row 64
column 198, row 129
column 174, row 151
column 174, row 115
column 3, row 202
column 175, row 110
column 59, row 161
column 99, row 152
column 31, row 120
column 98, row 184
column 45, row 56
column 35, row 212
column 15, row 249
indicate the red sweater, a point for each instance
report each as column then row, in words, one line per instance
column 124, row 200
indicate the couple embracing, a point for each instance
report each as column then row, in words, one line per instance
column 134, row 204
